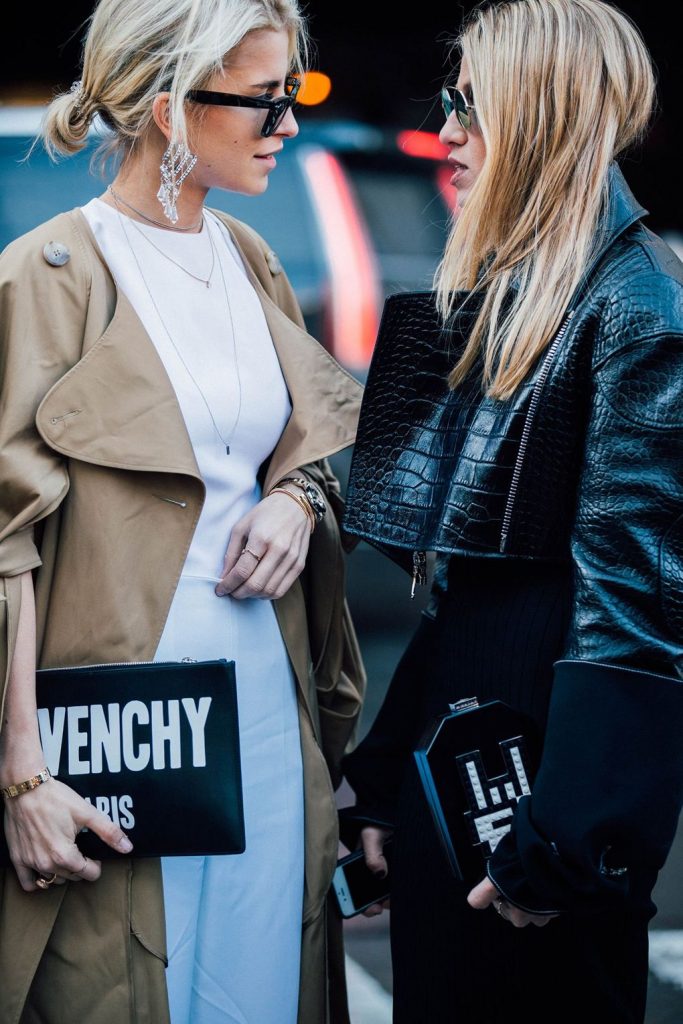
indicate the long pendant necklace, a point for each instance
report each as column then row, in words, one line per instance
column 225, row 441
column 202, row 280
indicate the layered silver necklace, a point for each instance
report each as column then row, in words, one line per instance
column 122, row 218
column 152, row 220
column 197, row 277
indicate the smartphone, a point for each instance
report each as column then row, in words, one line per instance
column 356, row 887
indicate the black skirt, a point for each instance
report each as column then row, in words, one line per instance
column 497, row 630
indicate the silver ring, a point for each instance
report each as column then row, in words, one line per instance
column 498, row 904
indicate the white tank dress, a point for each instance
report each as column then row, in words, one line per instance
column 233, row 923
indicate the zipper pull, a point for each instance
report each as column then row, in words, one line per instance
column 419, row 571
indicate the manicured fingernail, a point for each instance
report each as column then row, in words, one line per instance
column 125, row 845
column 380, row 873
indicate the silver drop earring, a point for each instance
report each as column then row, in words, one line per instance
column 176, row 164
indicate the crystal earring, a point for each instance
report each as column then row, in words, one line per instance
column 176, row 164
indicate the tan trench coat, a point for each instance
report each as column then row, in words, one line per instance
column 91, row 443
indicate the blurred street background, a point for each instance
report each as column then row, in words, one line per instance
column 358, row 208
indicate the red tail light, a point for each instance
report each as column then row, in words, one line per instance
column 355, row 293
column 422, row 144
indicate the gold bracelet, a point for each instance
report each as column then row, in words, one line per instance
column 298, row 481
column 311, row 493
column 10, row 792
column 301, row 501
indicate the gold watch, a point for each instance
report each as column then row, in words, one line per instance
column 10, row 792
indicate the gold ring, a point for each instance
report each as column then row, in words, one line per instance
column 44, row 882
column 247, row 551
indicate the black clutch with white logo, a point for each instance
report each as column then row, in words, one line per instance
column 155, row 746
column 475, row 763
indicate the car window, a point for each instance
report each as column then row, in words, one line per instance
column 33, row 190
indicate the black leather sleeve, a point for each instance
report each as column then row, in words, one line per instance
column 606, row 801
column 627, row 543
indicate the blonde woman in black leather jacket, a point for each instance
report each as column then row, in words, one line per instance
column 548, row 478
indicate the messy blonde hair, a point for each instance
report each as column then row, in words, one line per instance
column 135, row 49
column 560, row 88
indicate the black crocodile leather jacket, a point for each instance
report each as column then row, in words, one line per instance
column 584, row 463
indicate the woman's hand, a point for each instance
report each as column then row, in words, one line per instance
column 41, row 827
column 267, row 550
column 372, row 840
column 485, row 895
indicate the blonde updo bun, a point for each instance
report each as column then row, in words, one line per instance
column 67, row 122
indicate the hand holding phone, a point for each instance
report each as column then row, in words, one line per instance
column 356, row 886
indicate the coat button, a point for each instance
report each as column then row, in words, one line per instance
column 273, row 261
column 56, row 254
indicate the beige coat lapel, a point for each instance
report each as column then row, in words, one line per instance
column 325, row 398
column 117, row 407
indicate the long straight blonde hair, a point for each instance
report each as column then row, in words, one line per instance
column 560, row 87
column 135, row 49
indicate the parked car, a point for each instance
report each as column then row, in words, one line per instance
column 354, row 213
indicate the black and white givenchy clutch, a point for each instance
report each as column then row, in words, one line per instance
column 155, row 745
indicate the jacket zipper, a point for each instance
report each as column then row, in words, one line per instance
column 526, row 432
column 419, row 571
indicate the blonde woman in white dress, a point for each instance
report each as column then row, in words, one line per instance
column 200, row 94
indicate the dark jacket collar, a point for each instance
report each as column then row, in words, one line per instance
column 623, row 207
column 622, row 210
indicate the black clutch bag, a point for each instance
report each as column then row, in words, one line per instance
column 155, row 745
column 475, row 763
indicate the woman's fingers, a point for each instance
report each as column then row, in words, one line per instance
column 27, row 878
column 376, row 909
column 272, row 580
column 486, row 895
column 41, row 837
column 267, row 550
column 108, row 832
column 520, row 919
column 372, row 840
column 249, row 576
column 483, row 895
column 89, row 870
column 238, row 538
